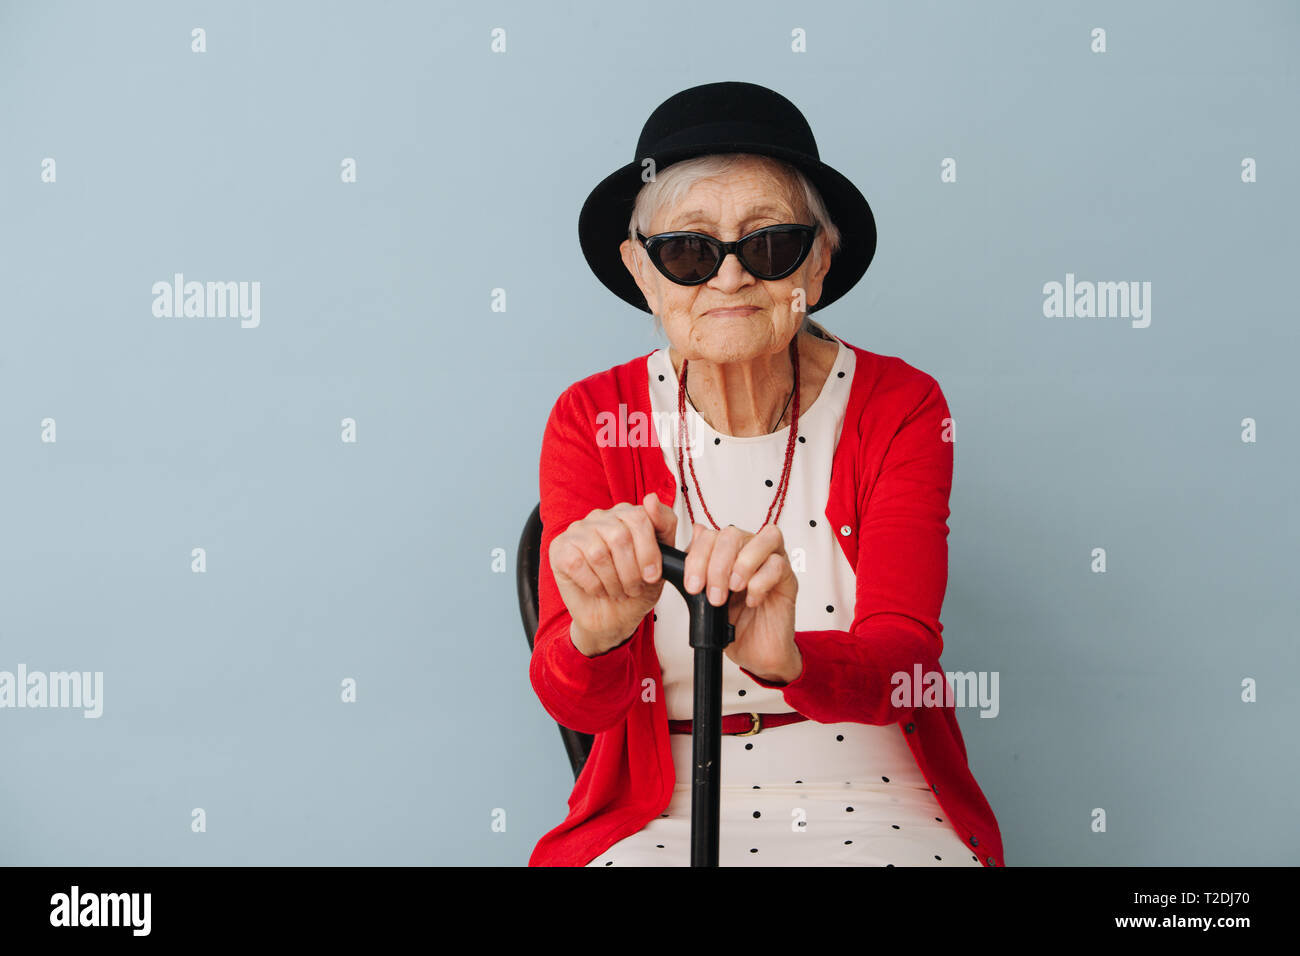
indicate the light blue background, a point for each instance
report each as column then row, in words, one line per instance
column 373, row 561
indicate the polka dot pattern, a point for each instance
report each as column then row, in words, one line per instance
column 827, row 585
column 802, row 794
column 860, row 808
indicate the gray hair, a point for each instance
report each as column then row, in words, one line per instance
column 670, row 186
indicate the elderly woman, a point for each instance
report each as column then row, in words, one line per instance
column 806, row 480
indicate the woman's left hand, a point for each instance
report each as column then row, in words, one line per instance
column 756, row 569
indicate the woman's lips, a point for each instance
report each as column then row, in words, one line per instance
column 739, row 310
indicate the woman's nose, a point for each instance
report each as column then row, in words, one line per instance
column 731, row 274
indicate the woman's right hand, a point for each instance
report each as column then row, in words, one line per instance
column 609, row 570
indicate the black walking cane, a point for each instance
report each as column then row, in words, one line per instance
column 710, row 633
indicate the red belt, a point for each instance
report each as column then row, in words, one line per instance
column 741, row 725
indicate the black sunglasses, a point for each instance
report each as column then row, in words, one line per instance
column 689, row 258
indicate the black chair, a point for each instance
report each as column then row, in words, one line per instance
column 527, row 567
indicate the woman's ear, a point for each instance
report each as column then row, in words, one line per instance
column 814, row 275
column 628, row 250
column 823, row 257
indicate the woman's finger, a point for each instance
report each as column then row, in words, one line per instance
column 769, row 540
column 645, row 545
column 696, row 565
column 622, row 549
column 766, row 578
column 663, row 517
column 726, row 547
column 596, row 551
column 568, row 560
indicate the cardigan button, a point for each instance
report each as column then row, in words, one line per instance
column 845, row 530
column 974, row 842
column 910, row 727
column 991, row 862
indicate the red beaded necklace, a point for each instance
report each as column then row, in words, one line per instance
column 778, row 502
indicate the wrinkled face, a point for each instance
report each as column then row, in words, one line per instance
column 762, row 317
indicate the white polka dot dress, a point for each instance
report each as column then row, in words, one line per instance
column 807, row 793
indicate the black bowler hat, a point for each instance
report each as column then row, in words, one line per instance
column 725, row 118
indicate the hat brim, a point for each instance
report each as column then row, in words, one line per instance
column 603, row 221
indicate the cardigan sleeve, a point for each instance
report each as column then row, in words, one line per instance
column 901, row 574
column 586, row 694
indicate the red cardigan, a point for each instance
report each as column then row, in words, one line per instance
column 888, row 501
